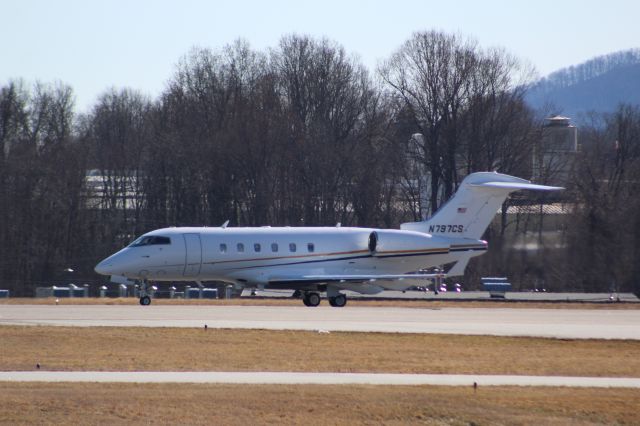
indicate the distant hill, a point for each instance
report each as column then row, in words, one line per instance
column 599, row 84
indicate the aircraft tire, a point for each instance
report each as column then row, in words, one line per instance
column 339, row 301
column 145, row 300
column 312, row 299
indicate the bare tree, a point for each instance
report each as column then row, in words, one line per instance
column 118, row 130
column 467, row 104
column 40, row 184
column 326, row 95
column 431, row 75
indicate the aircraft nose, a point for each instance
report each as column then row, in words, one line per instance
column 104, row 268
column 111, row 265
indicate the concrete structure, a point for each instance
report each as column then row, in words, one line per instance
column 554, row 156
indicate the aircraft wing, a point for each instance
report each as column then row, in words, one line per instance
column 358, row 278
column 360, row 283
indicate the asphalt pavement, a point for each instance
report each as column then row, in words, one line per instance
column 555, row 323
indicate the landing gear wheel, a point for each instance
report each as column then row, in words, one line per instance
column 338, row 301
column 145, row 300
column 311, row 299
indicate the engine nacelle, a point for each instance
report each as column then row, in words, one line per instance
column 388, row 242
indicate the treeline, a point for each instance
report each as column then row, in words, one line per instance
column 302, row 134
column 603, row 233
column 588, row 70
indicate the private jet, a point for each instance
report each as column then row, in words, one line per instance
column 317, row 260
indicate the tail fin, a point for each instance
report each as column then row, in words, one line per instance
column 474, row 205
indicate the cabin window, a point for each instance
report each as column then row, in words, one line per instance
column 150, row 240
column 223, row 248
column 292, row 247
column 240, row 247
column 310, row 247
column 274, row 247
column 256, row 247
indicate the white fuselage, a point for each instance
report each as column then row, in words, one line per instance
column 328, row 259
column 261, row 256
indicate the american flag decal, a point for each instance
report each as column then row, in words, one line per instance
column 462, row 209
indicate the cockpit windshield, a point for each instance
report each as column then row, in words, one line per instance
column 150, row 240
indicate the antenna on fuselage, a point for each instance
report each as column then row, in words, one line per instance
column 224, row 225
column 338, row 225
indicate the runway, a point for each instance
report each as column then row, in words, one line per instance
column 528, row 296
column 555, row 323
column 289, row 378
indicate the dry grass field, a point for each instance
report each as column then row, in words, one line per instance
column 183, row 349
column 169, row 349
column 247, row 301
column 92, row 404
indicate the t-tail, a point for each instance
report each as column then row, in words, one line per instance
column 472, row 208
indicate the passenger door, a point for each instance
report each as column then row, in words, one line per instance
column 193, row 255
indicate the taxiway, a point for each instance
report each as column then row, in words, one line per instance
column 296, row 378
column 554, row 323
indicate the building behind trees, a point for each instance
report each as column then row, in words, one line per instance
column 555, row 154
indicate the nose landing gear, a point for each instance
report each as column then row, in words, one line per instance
column 145, row 299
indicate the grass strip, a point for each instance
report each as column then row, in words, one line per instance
column 89, row 404
column 184, row 349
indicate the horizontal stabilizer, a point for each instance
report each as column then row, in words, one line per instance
column 514, row 186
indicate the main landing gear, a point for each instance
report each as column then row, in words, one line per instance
column 312, row 299
column 338, row 301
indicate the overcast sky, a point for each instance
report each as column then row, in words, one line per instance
column 94, row 45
